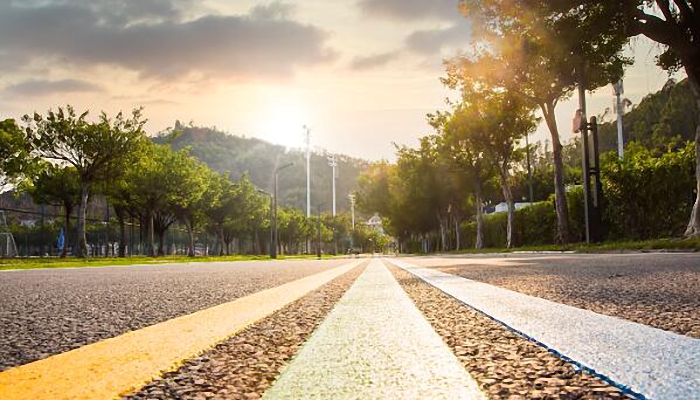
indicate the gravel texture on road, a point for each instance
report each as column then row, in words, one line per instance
column 659, row 290
column 46, row 312
column 247, row 364
column 506, row 365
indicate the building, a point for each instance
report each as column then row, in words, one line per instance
column 376, row 223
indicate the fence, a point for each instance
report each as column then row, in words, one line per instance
column 28, row 233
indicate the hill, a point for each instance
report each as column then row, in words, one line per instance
column 669, row 113
column 236, row 155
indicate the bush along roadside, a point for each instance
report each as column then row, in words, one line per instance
column 648, row 195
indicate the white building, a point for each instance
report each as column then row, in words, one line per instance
column 376, row 223
column 503, row 207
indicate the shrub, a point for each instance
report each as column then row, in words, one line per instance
column 649, row 194
column 534, row 225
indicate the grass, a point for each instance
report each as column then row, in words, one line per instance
column 668, row 244
column 73, row 262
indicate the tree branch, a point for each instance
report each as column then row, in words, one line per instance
column 688, row 17
column 660, row 31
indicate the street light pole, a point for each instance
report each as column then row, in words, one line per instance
column 351, row 196
column 618, row 89
column 272, row 235
column 333, row 163
column 318, row 249
column 275, row 238
column 308, row 171
column 529, row 169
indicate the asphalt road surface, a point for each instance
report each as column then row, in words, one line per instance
column 659, row 289
column 49, row 311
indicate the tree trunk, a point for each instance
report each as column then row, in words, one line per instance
column 190, row 239
column 256, row 242
column 161, row 242
column 693, row 229
column 479, row 218
column 151, row 238
column 122, row 238
column 563, row 234
column 66, row 235
column 221, row 241
column 458, row 245
column 80, row 249
column 508, row 196
column 443, row 233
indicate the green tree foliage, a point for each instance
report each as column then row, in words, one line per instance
column 93, row 149
column 57, row 186
column 16, row 160
column 247, row 213
column 537, row 49
column 187, row 181
column 649, row 192
column 463, row 149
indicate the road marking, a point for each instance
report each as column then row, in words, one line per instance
column 120, row 365
column 648, row 362
column 375, row 344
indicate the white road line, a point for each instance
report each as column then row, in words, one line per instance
column 375, row 344
column 652, row 363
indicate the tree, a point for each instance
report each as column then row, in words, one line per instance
column 419, row 190
column 149, row 184
column 539, row 47
column 16, row 160
column 463, row 148
column 57, row 186
column 121, row 191
column 498, row 120
column 220, row 203
column 187, row 184
column 91, row 148
column 675, row 25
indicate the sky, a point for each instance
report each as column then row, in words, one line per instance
column 361, row 74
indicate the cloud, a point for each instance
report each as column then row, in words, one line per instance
column 40, row 87
column 433, row 41
column 155, row 39
column 411, row 10
column 453, row 31
column 374, row 61
column 274, row 10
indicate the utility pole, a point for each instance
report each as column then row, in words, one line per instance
column 318, row 230
column 308, row 180
column 529, row 168
column 619, row 90
column 351, row 196
column 582, row 120
column 308, row 171
column 592, row 201
column 272, row 216
column 333, row 163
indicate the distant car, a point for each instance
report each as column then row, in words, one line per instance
column 354, row 251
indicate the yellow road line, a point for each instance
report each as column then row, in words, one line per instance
column 118, row 366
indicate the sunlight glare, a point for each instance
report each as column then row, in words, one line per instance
column 282, row 119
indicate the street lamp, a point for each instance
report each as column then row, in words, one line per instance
column 273, row 250
column 333, row 163
column 271, row 217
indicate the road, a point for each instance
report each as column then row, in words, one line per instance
column 49, row 311
column 500, row 321
column 658, row 289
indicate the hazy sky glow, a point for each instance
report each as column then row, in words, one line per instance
column 361, row 73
